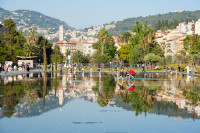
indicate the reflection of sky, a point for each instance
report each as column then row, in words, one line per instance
column 79, row 116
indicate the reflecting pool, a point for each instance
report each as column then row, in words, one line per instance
column 49, row 103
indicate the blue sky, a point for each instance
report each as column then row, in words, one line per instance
column 85, row 13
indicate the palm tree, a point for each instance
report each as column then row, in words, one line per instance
column 145, row 36
column 124, row 38
column 56, row 56
column 31, row 43
column 102, row 35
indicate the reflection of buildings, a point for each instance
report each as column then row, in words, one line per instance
column 170, row 93
column 170, row 100
column 76, row 89
column 61, row 94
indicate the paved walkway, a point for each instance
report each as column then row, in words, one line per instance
column 14, row 73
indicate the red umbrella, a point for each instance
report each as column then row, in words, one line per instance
column 132, row 88
column 131, row 72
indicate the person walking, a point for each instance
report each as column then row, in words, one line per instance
column 121, row 73
column 15, row 68
column 100, row 73
column 179, row 68
column 60, row 69
column 27, row 68
column 83, row 72
column 5, row 68
column 143, row 68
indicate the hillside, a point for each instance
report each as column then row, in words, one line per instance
column 27, row 18
column 128, row 24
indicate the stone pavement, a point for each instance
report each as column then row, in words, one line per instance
column 20, row 72
column 14, row 73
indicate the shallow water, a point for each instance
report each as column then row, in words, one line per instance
column 151, row 103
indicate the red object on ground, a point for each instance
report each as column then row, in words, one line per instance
column 132, row 88
column 132, row 72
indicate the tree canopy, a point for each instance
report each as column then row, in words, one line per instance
column 105, row 43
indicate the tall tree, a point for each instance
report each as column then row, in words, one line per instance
column 123, row 53
column 45, row 50
column 56, row 56
column 143, row 36
column 48, row 47
column 19, row 44
column 105, row 45
column 79, row 57
column 102, row 35
column 9, row 36
column 3, row 51
column 136, row 55
column 192, row 44
column 152, row 58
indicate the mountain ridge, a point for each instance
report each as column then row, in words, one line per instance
column 128, row 23
column 29, row 18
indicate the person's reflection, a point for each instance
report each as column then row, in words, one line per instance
column 27, row 75
column 179, row 82
column 5, row 81
column 145, row 75
column 44, row 87
column 39, row 74
column 60, row 92
column 75, row 87
column 121, row 87
column 195, row 80
column 100, row 86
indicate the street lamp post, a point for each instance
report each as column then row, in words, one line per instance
column 110, row 67
column 39, row 64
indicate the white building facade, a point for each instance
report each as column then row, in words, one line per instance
column 61, row 32
column 197, row 27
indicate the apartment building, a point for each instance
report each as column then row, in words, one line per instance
column 197, row 27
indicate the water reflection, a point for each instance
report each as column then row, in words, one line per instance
column 31, row 95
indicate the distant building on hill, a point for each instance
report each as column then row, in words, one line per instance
column 86, row 47
column 74, row 44
column 67, row 45
column 171, row 42
column 186, row 28
column 64, row 44
column 179, row 11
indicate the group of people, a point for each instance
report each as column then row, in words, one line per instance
column 26, row 67
column 71, row 71
column 7, row 68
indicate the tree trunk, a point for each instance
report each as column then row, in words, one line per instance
column 44, row 56
column 56, row 64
